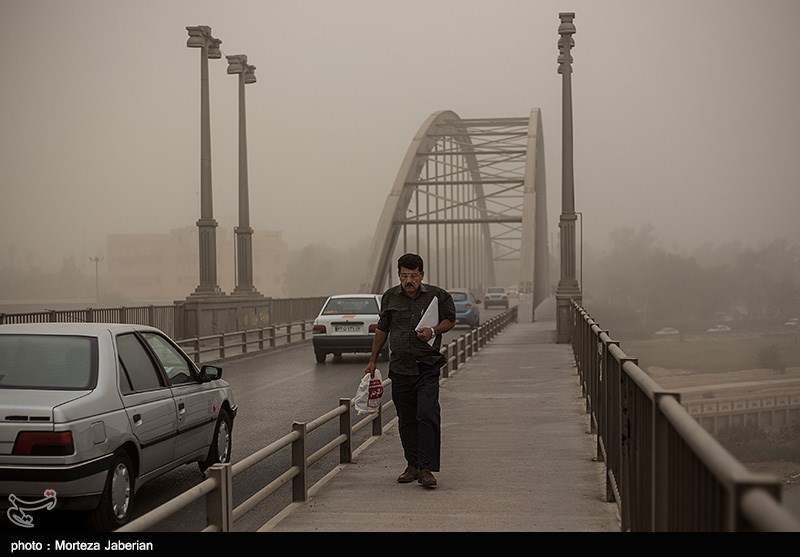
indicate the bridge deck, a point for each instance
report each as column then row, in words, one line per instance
column 517, row 455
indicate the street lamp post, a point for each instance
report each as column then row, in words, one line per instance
column 568, row 288
column 200, row 37
column 237, row 64
column 96, row 261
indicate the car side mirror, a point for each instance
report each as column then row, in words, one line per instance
column 210, row 373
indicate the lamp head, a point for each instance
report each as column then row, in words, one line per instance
column 249, row 74
column 213, row 48
column 236, row 63
column 196, row 38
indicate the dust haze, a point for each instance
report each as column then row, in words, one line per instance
column 685, row 120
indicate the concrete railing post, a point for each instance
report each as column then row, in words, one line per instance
column 377, row 422
column 300, row 481
column 345, row 419
column 219, row 502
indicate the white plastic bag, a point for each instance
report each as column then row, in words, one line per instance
column 369, row 394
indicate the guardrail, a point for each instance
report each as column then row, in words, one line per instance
column 243, row 343
column 165, row 317
column 716, row 414
column 217, row 488
column 162, row 316
column 665, row 472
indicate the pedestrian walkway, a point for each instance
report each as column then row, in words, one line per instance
column 517, row 455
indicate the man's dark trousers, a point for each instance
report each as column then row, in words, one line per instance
column 416, row 399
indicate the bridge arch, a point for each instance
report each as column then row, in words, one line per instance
column 469, row 197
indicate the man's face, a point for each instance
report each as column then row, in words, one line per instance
column 410, row 279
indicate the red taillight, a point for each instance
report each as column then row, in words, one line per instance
column 372, row 328
column 320, row 330
column 43, row 443
column 469, row 306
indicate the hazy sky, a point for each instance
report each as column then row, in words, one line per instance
column 686, row 112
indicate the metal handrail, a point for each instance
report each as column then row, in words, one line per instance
column 244, row 343
column 664, row 470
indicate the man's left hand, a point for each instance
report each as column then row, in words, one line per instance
column 425, row 334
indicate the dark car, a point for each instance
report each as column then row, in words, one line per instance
column 468, row 311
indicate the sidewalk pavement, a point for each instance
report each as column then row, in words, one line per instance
column 517, row 455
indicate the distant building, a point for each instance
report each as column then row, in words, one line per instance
column 163, row 267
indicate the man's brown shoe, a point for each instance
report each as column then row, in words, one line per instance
column 426, row 478
column 409, row 475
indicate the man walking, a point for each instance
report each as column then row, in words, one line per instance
column 414, row 364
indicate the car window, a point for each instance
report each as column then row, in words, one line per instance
column 338, row 306
column 48, row 362
column 495, row 290
column 177, row 368
column 141, row 373
column 459, row 296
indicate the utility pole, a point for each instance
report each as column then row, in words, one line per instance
column 96, row 261
column 200, row 37
column 568, row 287
column 237, row 65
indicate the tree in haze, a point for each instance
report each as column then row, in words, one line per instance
column 767, row 279
column 320, row 270
column 639, row 286
column 31, row 283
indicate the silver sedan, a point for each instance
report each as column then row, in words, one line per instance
column 91, row 411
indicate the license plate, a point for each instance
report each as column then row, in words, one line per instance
column 347, row 328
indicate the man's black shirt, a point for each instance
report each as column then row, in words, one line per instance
column 400, row 316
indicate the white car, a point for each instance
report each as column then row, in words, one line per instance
column 91, row 411
column 718, row 329
column 792, row 322
column 346, row 324
column 495, row 296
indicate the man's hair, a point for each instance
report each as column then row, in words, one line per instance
column 410, row 261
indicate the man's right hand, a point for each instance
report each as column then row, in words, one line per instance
column 371, row 368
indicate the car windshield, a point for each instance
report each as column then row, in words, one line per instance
column 459, row 296
column 339, row 306
column 56, row 362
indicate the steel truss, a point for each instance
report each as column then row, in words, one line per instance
column 469, row 196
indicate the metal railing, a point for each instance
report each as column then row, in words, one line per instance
column 162, row 317
column 225, row 346
column 664, row 470
column 165, row 317
column 217, row 488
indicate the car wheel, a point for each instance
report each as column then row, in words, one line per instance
column 320, row 357
column 220, row 450
column 114, row 509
